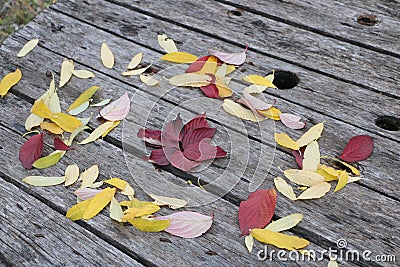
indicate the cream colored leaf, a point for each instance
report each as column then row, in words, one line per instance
column 107, row 57
column 285, row 223
column 71, row 174
column 304, row 177
column 173, row 203
column 315, row 191
column 75, row 133
column 97, row 133
column 255, row 89
column 33, row 121
column 89, row 176
column 353, row 179
column 102, row 103
column 29, row 46
column 43, row 180
column 66, row 71
column 128, row 191
column 54, row 103
column 83, row 74
column 221, row 70
column 149, row 80
column 135, row 72
column 311, row 157
column 249, row 242
column 135, row 61
column 79, row 109
column 115, row 124
column 333, row 263
column 239, row 111
column 116, row 212
column 167, row 43
column 312, row 134
column 190, row 79
column 284, row 188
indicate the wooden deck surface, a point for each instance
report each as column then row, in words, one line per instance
column 349, row 76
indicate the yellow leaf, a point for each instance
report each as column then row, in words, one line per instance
column 315, row 191
column 84, row 97
column 49, row 160
column 107, row 56
column 259, row 80
column 135, row 61
column 135, row 72
column 28, row 47
column 76, row 211
column 239, row 111
column 223, row 89
column 167, row 43
column 284, row 188
column 89, row 176
column 139, row 208
column 40, row 109
column 116, row 182
column 43, row 181
column 149, row 80
column 97, row 133
column 284, row 140
column 98, row 202
column 343, row 179
column 311, row 156
column 173, row 203
column 312, row 134
column 51, row 127
column 304, row 177
column 67, row 122
column 66, row 71
column 116, row 212
column 279, row 240
column 71, row 174
column 149, row 225
column 271, row 113
column 328, row 177
column 9, row 81
column 230, row 68
column 115, row 124
column 353, row 169
column 285, row 223
column 249, row 242
column 179, row 57
column 329, row 173
column 190, row 79
column 209, row 66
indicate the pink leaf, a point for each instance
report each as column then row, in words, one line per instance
column 118, row 109
column 197, row 122
column 86, row 193
column 179, row 161
column 187, row 224
column 31, row 150
column 60, row 145
column 152, row 137
column 230, row 58
column 161, row 156
column 255, row 102
column 257, row 210
column 203, row 151
column 358, row 148
column 196, row 135
column 298, row 155
column 292, row 121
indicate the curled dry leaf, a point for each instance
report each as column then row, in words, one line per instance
column 249, row 242
column 135, row 72
column 9, row 81
column 316, row 191
column 190, row 79
column 118, row 109
column 116, row 212
column 343, row 178
column 187, row 224
column 107, row 57
column 97, row 133
column 28, row 47
column 83, row 74
column 79, row 109
column 149, row 80
column 259, row 80
column 311, row 157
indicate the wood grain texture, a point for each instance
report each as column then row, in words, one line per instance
column 33, row 234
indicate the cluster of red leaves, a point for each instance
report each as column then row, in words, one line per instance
column 182, row 146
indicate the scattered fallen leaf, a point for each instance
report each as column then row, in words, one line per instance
column 31, row 150
column 84, row 97
column 99, row 202
column 284, row 188
column 66, row 71
column 292, row 121
column 230, row 58
column 49, row 160
column 333, row 263
column 139, row 208
column 71, row 174
column 304, row 177
column 149, row 225
column 284, row 140
column 311, row 156
column 343, row 178
column 9, row 81
column 43, row 181
column 179, row 57
column 116, row 182
column 312, row 134
column 51, row 127
column 259, row 80
column 118, row 109
column 89, row 176
column 86, row 193
column 285, row 223
column 278, row 239
column 28, row 47
column 249, row 242
column 83, row 74
column 67, row 122
column 239, row 111
column 102, row 103
column 135, row 61
column 358, row 148
column 190, row 79
column 173, row 203
column 97, row 133
column 107, row 56
column 116, row 212
column 167, row 43
column 149, row 80
column 76, row 212
column 79, row 109
column 115, row 124
column 272, row 113
column 60, row 145
column 316, row 191
column 135, row 72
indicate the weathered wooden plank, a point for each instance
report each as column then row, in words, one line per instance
column 223, row 237
column 281, row 41
column 315, row 208
column 315, row 91
column 334, row 146
column 32, row 234
column 337, row 19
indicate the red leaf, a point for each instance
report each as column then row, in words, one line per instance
column 172, row 129
column 257, row 210
column 31, row 150
column 179, row 161
column 158, row 156
column 151, row 137
column 299, row 156
column 197, row 122
column 197, row 135
column 197, row 65
column 358, row 148
column 203, row 151
column 60, row 145
column 210, row 90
